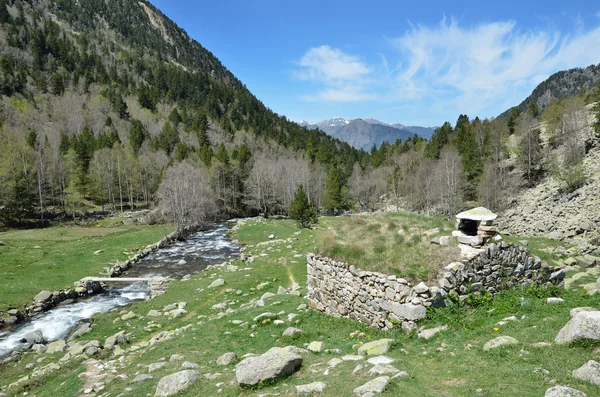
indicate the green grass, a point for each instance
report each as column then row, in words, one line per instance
column 53, row 258
column 457, row 371
column 388, row 243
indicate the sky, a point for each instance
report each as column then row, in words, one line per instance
column 415, row 63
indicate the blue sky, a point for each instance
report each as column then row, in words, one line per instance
column 416, row 63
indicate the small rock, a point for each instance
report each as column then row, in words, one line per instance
column 227, row 359
column 378, row 360
column 554, row 300
column 429, row 333
column 500, row 341
column 176, row 357
column 292, row 332
column 141, row 378
column 173, row 384
column 274, row 364
column 563, row 391
column 376, row 385
column 188, row 365
column 315, row 346
column 156, row 366
column 377, row 347
column 383, row 369
column 217, row 283
column 310, row 389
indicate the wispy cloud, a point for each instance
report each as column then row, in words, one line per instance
column 448, row 67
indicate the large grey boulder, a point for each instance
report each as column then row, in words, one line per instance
column 563, row 391
column 585, row 325
column 34, row 337
column 589, row 372
column 173, row 384
column 274, row 364
column 376, row 385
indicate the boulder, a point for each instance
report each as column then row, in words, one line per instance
column 173, row 384
column 383, row 369
column 227, row 359
column 217, row 283
column 42, row 296
column 34, row 337
column 156, row 366
column 141, row 377
column 315, row 346
column 292, row 332
column 471, row 240
column 274, row 364
column 58, row 346
column 117, row 339
column 588, row 372
column 584, row 325
column 376, row 385
column 500, row 341
column 310, row 389
column 563, row 391
column 376, row 347
column 429, row 333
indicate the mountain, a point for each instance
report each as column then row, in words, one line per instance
column 92, row 90
column 563, row 84
column 364, row 133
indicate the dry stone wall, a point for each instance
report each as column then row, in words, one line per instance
column 384, row 301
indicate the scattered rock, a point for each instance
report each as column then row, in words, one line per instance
column 227, row 359
column 128, row 316
column 377, row 347
column 383, row 369
column 57, row 346
column 292, row 332
column 376, row 385
column 500, row 341
column 589, row 372
column 116, row 339
column 274, row 364
column 310, row 389
column 156, row 366
column 42, row 296
column 554, row 300
column 141, row 377
column 315, row 346
column 281, row 291
column 176, row 357
column 563, row 391
column 584, row 325
column 429, row 333
column 188, row 365
column 173, row 384
column 217, row 283
column 378, row 360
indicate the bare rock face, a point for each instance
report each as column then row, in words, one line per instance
column 274, row 364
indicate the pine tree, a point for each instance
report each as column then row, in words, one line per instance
column 136, row 135
column 301, row 210
column 334, row 199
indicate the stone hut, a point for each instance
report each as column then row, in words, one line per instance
column 475, row 227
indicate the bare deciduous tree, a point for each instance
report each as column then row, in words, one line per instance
column 186, row 194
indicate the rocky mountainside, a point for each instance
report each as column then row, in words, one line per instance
column 364, row 133
column 563, row 84
column 546, row 210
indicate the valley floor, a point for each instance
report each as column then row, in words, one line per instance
column 219, row 317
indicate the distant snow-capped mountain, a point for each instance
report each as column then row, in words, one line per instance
column 363, row 134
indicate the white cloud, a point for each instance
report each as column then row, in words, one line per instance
column 447, row 69
column 330, row 65
column 488, row 63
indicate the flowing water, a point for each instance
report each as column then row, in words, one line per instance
column 175, row 261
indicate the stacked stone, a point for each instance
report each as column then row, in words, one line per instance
column 476, row 227
column 385, row 301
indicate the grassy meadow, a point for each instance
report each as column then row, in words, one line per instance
column 53, row 258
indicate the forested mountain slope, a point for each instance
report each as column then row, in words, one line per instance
column 100, row 97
